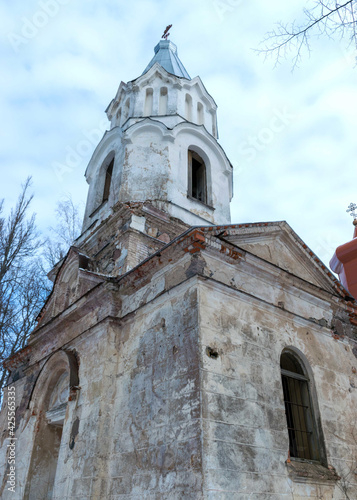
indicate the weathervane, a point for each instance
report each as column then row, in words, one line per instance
column 166, row 32
column 352, row 207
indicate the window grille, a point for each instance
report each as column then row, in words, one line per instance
column 299, row 413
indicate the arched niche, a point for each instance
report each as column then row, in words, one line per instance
column 126, row 110
column 200, row 114
column 54, row 387
column 188, row 107
column 163, row 101
column 118, row 118
column 149, row 99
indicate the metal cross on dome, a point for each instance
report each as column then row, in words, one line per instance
column 352, row 207
column 166, row 32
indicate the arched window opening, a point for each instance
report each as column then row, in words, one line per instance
column 44, row 459
column 188, row 107
column 197, row 177
column 48, row 405
column 163, row 101
column 301, row 423
column 149, row 97
column 200, row 115
column 108, row 181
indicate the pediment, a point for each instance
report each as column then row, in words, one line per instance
column 73, row 280
column 156, row 71
column 204, row 94
column 278, row 244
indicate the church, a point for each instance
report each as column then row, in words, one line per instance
column 180, row 356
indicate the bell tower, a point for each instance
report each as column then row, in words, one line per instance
column 161, row 148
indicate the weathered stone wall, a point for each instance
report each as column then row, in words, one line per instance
column 180, row 386
column 245, row 440
column 139, row 407
column 134, row 427
column 151, row 163
column 82, row 464
column 134, row 232
column 22, row 449
column 156, row 440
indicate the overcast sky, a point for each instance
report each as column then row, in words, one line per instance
column 291, row 136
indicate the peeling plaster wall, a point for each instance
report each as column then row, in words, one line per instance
column 156, row 167
column 151, row 163
column 23, row 442
column 134, row 428
column 145, row 163
column 245, row 439
column 130, row 235
column 155, row 415
column 86, row 441
column 156, row 432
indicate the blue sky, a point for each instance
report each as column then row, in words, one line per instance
column 290, row 135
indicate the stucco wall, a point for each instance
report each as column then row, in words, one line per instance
column 135, row 424
column 245, row 432
column 180, row 388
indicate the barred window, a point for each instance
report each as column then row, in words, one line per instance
column 303, row 438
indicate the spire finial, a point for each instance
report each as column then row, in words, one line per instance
column 166, row 32
column 352, row 207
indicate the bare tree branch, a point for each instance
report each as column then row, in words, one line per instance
column 325, row 18
column 23, row 282
column 68, row 228
column 23, row 286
